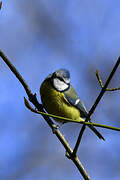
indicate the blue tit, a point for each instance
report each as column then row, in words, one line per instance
column 59, row 98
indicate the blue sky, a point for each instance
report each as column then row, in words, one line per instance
column 40, row 37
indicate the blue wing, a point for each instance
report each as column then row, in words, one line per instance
column 74, row 100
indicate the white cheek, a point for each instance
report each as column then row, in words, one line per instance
column 59, row 85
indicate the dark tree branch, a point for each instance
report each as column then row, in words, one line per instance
column 104, row 87
column 103, row 90
column 79, row 140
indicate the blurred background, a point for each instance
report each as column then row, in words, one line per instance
column 40, row 37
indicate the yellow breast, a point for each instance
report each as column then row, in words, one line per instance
column 55, row 103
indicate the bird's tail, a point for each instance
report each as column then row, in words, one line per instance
column 96, row 131
column 90, row 126
column 93, row 128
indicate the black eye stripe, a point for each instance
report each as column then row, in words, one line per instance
column 61, row 79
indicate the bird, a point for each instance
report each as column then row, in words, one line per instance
column 59, row 98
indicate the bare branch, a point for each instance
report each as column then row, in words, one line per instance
column 101, row 84
column 104, row 87
column 79, row 140
column 103, row 90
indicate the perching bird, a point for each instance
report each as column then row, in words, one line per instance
column 59, row 98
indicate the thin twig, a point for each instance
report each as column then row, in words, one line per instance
column 113, row 89
column 99, row 79
column 101, row 84
column 33, row 99
column 67, row 119
column 96, row 102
